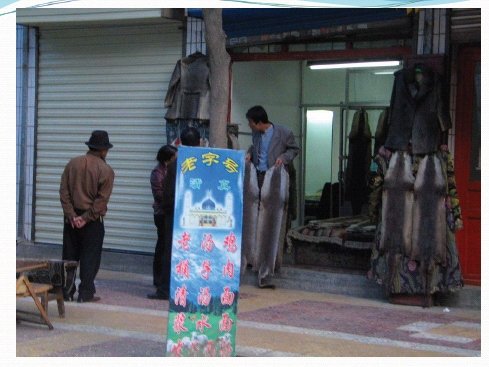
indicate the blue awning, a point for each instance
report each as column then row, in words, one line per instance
column 252, row 22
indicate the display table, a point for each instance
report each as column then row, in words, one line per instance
column 343, row 242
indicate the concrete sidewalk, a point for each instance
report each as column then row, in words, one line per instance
column 280, row 322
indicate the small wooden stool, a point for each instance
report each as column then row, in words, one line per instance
column 60, row 274
column 24, row 288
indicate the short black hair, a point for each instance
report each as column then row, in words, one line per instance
column 165, row 153
column 257, row 114
column 190, row 136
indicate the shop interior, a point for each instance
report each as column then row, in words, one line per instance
column 319, row 106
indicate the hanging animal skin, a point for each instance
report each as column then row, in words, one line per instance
column 397, row 205
column 429, row 212
column 249, row 251
column 272, row 216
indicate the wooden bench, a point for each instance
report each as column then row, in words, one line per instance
column 24, row 288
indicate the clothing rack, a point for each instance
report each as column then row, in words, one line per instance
column 343, row 119
column 343, row 108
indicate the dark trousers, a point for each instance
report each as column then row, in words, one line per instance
column 164, row 287
column 158, row 256
column 85, row 246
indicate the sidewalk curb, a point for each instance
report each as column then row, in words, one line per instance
column 289, row 277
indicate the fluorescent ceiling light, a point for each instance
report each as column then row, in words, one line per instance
column 388, row 72
column 350, row 65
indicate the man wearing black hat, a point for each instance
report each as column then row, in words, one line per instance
column 86, row 185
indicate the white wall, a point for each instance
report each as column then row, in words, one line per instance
column 318, row 151
column 274, row 85
column 367, row 87
column 324, row 86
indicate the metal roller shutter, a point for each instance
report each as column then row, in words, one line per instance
column 465, row 25
column 113, row 78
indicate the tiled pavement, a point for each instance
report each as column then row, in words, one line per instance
column 279, row 322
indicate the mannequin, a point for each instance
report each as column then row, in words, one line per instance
column 414, row 193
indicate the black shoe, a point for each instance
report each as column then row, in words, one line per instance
column 157, row 295
column 83, row 300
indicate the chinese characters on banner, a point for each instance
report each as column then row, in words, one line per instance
column 206, row 252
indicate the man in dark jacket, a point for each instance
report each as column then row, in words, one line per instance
column 86, row 185
column 166, row 154
column 190, row 136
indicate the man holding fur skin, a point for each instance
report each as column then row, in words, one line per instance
column 271, row 153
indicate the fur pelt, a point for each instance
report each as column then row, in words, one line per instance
column 418, row 113
column 381, row 131
column 272, row 217
column 397, row 205
column 429, row 212
column 358, row 163
column 249, row 251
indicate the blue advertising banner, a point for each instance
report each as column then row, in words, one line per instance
column 206, row 252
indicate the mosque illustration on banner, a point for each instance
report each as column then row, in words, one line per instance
column 207, row 213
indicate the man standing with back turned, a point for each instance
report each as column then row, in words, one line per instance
column 86, row 185
column 190, row 137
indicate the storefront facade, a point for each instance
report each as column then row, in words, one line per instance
column 279, row 55
column 136, row 53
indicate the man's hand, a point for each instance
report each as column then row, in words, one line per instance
column 279, row 162
column 79, row 222
column 248, row 157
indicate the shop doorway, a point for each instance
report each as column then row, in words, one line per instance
column 362, row 131
column 318, row 162
column 468, row 161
